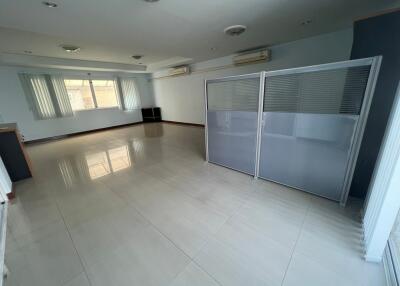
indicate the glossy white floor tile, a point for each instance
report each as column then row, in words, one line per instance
column 193, row 275
column 140, row 206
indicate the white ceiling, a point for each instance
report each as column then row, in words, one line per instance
column 168, row 31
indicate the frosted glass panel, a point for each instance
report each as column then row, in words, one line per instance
column 232, row 123
column 307, row 151
column 309, row 122
column 232, row 139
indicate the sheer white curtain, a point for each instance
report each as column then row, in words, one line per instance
column 130, row 94
column 61, row 95
column 38, row 95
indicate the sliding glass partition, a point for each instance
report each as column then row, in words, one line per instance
column 299, row 127
column 232, row 113
column 308, row 125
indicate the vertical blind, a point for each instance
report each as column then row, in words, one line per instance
column 48, row 96
column 38, row 96
column 61, row 96
column 130, row 94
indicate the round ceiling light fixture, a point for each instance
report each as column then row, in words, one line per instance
column 235, row 30
column 306, row 22
column 50, row 4
column 137, row 57
column 70, row 48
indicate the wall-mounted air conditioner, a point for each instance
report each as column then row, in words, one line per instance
column 177, row 71
column 251, row 57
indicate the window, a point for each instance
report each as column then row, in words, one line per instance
column 105, row 92
column 79, row 94
column 52, row 96
column 85, row 94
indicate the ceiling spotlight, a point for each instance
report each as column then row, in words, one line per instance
column 50, row 4
column 306, row 22
column 137, row 57
column 235, row 30
column 70, row 49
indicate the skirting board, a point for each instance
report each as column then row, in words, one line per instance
column 104, row 129
column 183, row 123
column 80, row 133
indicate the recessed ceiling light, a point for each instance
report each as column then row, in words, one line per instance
column 151, row 1
column 70, row 49
column 235, row 30
column 306, row 22
column 50, row 4
column 137, row 57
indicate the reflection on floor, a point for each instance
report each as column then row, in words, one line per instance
column 139, row 206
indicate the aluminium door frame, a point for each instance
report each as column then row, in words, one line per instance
column 374, row 63
column 360, row 128
column 232, row 78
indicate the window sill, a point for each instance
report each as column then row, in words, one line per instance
column 99, row 108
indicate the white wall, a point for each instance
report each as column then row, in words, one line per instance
column 14, row 107
column 182, row 98
column 383, row 201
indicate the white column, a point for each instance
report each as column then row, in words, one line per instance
column 5, row 182
column 383, row 201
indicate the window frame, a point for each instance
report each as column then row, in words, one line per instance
column 93, row 92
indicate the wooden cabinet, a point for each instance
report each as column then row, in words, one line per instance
column 13, row 153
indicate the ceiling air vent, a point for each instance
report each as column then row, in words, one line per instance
column 251, row 57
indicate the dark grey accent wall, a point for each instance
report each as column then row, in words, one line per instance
column 375, row 36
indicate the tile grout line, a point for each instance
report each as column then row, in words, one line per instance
column 73, row 244
column 222, row 225
column 295, row 244
column 130, row 204
column 173, row 243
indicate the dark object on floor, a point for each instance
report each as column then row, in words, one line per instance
column 13, row 154
column 152, row 114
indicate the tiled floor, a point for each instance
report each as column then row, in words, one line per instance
column 139, row 206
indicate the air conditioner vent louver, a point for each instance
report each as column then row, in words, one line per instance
column 177, row 71
column 258, row 56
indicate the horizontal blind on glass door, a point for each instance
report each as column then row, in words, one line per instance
column 337, row 91
column 238, row 95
